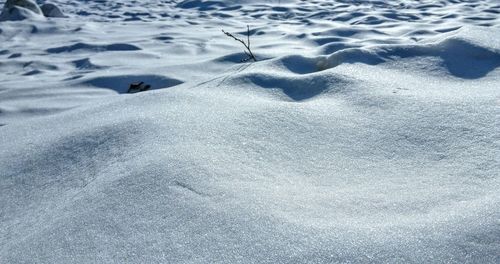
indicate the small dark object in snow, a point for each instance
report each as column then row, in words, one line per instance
column 138, row 87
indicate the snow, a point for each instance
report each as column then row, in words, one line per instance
column 367, row 132
column 51, row 10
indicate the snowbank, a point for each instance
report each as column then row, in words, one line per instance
column 384, row 150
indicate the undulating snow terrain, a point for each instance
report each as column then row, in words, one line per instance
column 367, row 132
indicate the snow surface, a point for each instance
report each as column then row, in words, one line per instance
column 368, row 132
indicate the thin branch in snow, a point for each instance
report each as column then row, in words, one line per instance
column 248, row 50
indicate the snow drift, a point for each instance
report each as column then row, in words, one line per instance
column 381, row 151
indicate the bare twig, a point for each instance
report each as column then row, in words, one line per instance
column 248, row 50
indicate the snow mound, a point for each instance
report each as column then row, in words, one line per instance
column 367, row 132
column 16, row 10
column 26, row 4
column 468, row 54
column 51, row 10
column 17, row 13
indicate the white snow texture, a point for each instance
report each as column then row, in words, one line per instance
column 367, row 132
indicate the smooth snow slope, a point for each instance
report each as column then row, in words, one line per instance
column 368, row 132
